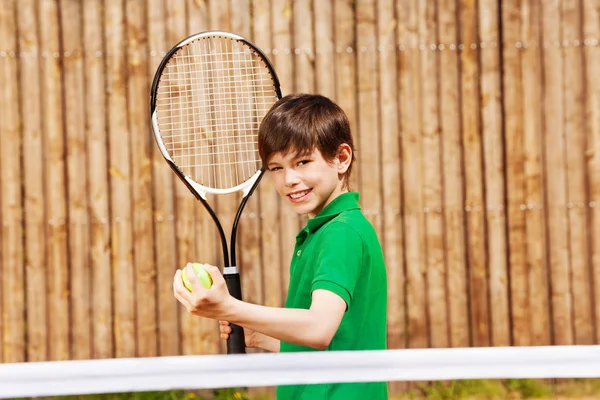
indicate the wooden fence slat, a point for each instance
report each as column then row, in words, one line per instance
column 390, row 172
column 141, row 173
column 164, row 207
column 574, row 131
column 203, row 334
column 283, row 61
column 197, row 16
column 35, row 221
column 591, row 31
column 119, row 137
column 345, row 70
column 55, row 184
column 80, row 282
column 11, row 255
column 268, row 198
column 410, row 114
column 185, row 202
column 324, row 48
column 249, row 233
column 369, row 147
column 515, row 176
column 432, row 179
column 98, row 188
column 495, row 188
column 303, row 40
column 537, row 251
column 453, row 176
column 474, row 196
column 225, row 206
column 556, row 182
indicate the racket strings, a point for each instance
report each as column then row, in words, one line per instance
column 212, row 96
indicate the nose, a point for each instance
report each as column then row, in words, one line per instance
column 291, row 177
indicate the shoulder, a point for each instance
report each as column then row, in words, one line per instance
column 352, row 223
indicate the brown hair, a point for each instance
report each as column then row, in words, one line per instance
column 301, row 123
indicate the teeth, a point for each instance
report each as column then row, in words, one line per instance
column 298, row 195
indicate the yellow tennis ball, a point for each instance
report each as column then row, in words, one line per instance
column 201, row 273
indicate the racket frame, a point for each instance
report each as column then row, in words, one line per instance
column 236, row 341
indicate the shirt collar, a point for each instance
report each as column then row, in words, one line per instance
column 344, row 202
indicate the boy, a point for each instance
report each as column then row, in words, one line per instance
column 337, row 295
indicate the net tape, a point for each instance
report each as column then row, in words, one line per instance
column 273, row 369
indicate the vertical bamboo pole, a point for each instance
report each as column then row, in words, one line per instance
column 303, row 40
column 119, row 137
column 591, row 33
column 55, row 184
column 185, row 202
column 97, row 178
column 474, row 196
column 35, row 220
column 11, row 255
column 556, row 176
column 495, row 188
column 390, row 172
column 345, row 69
column 575, row 138
column 164, row 202
column 249, row 254
column 535, row 221
column 141, row 172
column 283, row 54
column 199, row 334
column 411, row 123
column 453, row 175
column 515, row 174
column 80, row 282
column 225, row 206
column 324, row 48
column 432, row 179
column 271, row 256
column 197, row 16
column 369, row 147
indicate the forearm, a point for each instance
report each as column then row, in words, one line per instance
column 266, row 342
column 298, row 326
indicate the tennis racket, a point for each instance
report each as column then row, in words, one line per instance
column 209, row 95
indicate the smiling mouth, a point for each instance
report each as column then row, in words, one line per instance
column 296, row 196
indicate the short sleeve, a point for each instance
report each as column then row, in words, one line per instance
column 338, row 260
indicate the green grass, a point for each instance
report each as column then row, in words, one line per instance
column 513, row 389
column 504, row 389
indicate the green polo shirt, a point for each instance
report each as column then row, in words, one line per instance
column 339, row 251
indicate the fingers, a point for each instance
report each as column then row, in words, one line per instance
column 193, row 278
column 224, row 329
column 215, row 274
column 179, row 291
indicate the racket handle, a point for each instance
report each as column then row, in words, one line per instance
column 236, row 344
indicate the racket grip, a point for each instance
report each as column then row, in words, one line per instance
column 236, row 344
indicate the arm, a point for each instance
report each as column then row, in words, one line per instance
column 253, row 339
column 262, row 341
column 314, row 327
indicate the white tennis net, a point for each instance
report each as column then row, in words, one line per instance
column 38, row 379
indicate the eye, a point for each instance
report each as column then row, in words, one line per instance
column 303, row 162
column 273, row 169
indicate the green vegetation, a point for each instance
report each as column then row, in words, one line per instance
column 513, row 389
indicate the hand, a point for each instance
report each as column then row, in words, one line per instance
column 249, row 334
column 210, row 303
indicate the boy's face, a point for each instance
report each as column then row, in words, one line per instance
column 307, row 182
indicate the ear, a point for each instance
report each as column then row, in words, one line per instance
column 344, row 158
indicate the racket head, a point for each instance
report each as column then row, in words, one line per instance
column 209, row 95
